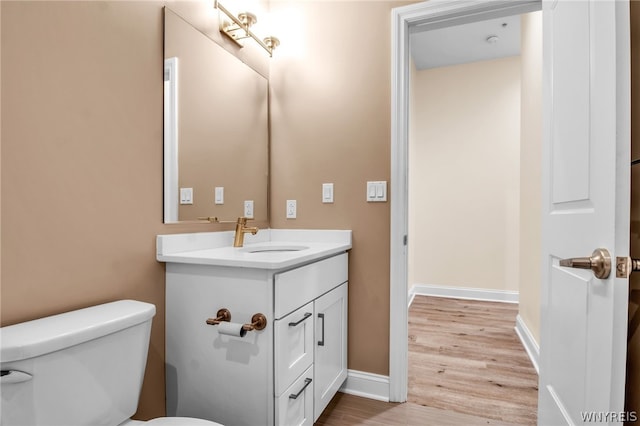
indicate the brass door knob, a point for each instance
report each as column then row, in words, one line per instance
column 599, row 263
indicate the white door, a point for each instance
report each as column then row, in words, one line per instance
column 586, row 159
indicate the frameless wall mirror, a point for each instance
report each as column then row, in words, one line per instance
column 216, row 129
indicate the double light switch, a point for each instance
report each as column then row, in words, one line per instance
column 376, row 191
column 186, row 195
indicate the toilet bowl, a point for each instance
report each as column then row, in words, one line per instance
column 79, row 368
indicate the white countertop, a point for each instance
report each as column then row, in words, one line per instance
column 293, row 247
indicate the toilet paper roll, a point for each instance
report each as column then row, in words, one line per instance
column 231, row 329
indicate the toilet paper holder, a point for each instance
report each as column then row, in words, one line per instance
column 258, row 321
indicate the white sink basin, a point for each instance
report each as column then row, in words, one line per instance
column 273, row 248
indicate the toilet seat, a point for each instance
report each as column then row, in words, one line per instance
column 180, row 421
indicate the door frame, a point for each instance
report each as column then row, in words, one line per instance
column 405, row 20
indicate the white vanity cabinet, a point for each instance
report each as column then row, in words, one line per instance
column 284, row 374
column 330, row 357
column 303, row 397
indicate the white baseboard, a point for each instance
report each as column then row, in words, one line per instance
column 463, row 293
column 367, row 385
column 529, row 343
column 412, row 295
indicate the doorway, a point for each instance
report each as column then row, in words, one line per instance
column 605, row 62
column 467, row 90
column 475, row 133
column 423, row 17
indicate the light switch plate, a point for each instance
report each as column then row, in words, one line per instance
column 219, row 195
column 248, row 209
column 327, row 193
column 186, row 195
column 291, row 209
column 377, row 191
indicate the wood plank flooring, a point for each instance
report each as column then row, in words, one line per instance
column 465, row 356
column 349, row 410
column 466, row 366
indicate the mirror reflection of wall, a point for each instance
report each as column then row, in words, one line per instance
column 222, row 129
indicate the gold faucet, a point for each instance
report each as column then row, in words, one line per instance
column 241, row 229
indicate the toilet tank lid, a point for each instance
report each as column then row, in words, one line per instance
column 41, row 336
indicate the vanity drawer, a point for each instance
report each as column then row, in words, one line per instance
column 293, row 346
column 295, row 405
column 299, row 286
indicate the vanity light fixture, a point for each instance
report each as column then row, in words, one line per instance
column 240, row 28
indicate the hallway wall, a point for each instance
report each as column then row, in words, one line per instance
column 529, row 277
column 464, row 175
column 524, row 272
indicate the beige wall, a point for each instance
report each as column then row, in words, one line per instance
column 82, row 163
column 330, row 100
column 633, row 354
column 82, row 157
column 464, row 167
column 531, row 173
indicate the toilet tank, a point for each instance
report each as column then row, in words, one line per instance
column 80, row 368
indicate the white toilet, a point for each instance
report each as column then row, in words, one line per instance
column 80, row 368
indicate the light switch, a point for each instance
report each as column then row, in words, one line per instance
column 377, row 191
column 248, row 209
column 219, row 195
column 186, row 195
column 327, row 193
column 371, row 191
column 291, row 209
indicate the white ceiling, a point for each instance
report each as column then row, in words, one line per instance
column 466, row 43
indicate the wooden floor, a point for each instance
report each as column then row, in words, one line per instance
column 466, row 366
column 349, row 410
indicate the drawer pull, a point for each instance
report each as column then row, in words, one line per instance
column 306, row 315
column 321, row 341
column 296, row 395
